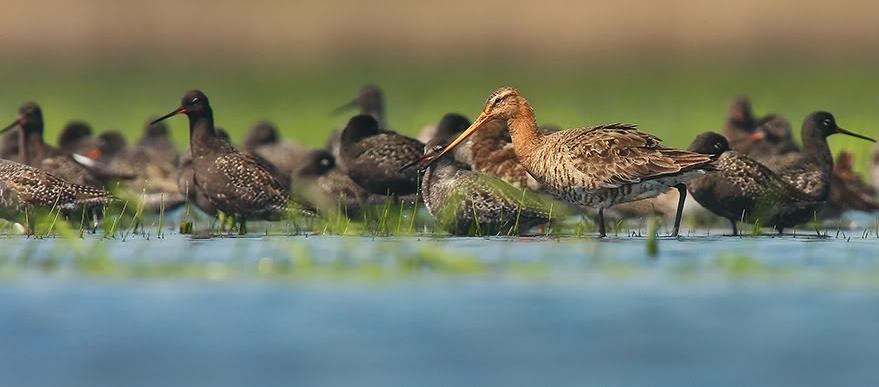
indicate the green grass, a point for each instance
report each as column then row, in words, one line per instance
column 673, row 100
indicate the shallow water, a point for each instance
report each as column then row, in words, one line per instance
column 317, row 310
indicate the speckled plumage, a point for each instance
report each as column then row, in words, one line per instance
column 465, row 202
column 743, row 189
column 23, row 188
column 373, row 158
column 810, row 171
column 594, row 167
column 232, row 181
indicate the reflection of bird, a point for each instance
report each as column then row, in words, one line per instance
column 233, row 182
column 743, row 189
column 334, row 186
column 466, row 202
column 156, row 181
column 594, row 167
column 373, row 157
column 263, row 140
column 35, row 152
column 24, row 188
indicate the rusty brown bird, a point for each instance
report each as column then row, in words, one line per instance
column 593, row 167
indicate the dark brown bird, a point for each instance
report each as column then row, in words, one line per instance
column 9, row 145
column 24, row 188
column 810, row 171
column 186, row 179
column 743, row 189
column 772, row 138
column 742, row 128
column 35, row 152
column 233, row 182
column 326, row 186
column 774, row 144
column 156, row 181
column 371, row 101
column 593, row 167
column 465, row 202
column 157, row 139
column 847, row 190
column 373, row 157
column 76, row 137
column 263, row 140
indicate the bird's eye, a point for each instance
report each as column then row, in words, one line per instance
column 498, row 100
column 194, row 100
column 827, row 123
column 325, row 162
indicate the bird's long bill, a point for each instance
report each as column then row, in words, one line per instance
column 12, row 125
column 347, row 106
column 482, row 120
column 853, row 134
column 180, row 110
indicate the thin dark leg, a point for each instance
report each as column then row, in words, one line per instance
column 601, row 231
column 682, row 197
column 735, row 228
column 242, row 226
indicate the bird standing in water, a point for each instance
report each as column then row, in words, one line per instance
column 24, row 188
column 594, row 167
column 233, row 182
column 743, row 189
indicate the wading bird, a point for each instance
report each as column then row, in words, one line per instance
column 232, row 181
column 593, row 167
column 743, row 189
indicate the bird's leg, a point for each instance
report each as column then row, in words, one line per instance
column 735, row 229
column 601, row 231
column 682, row 197
column 242, row 226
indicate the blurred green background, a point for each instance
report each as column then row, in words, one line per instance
column 669, row 66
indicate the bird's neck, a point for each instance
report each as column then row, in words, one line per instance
column 523, row 131
column 31, row 146
column 201, row 130
column 816, row 148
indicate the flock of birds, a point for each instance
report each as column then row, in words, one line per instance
column 501, row 172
